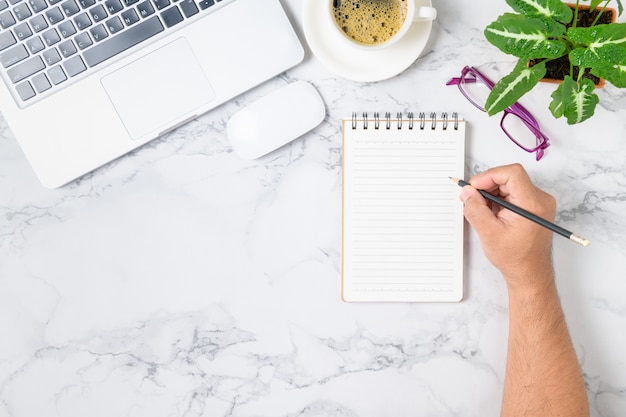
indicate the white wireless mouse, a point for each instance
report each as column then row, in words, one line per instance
column 275, row 120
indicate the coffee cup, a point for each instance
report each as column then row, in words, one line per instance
column 376, row 24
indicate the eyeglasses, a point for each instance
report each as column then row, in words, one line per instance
column 522, row 128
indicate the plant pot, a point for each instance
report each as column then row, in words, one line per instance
column 557, row 69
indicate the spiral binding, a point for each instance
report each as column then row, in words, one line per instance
column 410, row 120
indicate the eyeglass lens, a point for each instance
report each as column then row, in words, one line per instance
column 520, row 132
column 474, row 90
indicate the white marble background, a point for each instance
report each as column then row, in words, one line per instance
column 183, row 281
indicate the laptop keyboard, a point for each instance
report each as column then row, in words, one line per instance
column 45, row 43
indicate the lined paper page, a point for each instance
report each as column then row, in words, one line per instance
column 402, row 219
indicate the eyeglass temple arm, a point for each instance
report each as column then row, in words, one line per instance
column 457, row 81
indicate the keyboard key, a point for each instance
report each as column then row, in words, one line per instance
column 98, row 13
column 124, row 40
column 86, row 3
column 67, row 48
column 38, row 5
column 25, row 90
column 130, row 2
column 54, row 15
column 98, row 33
column 74, row 66
column 35, row 45
column 38, row 23
column 22, row 31
column 22, row 11
column 161, row 4
column 70, row 8
column 14, row 55
column 3, row 4
column 130, row 16
column 171, row 16
column 114, row 25
column 67, row 29
column 6, row 20
column 83, row 40
column 82, row 21
column 6, row 39
column 41, row 83
column 51, row 36
column 189, row 7
column 205, row 4
column 51, row 56
column 56, row 74
column 145, row 9
column 113, row 6
column 25, row 69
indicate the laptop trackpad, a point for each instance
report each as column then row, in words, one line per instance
column 162, row 88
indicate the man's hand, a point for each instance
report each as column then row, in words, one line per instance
column 518, row 247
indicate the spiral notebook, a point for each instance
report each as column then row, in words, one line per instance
column 402, row 218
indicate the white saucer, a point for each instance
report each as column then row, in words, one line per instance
column 355, row 63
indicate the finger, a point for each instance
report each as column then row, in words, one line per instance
column 477, row 211
column 507, row 180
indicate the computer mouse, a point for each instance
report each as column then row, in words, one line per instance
column 275, row 120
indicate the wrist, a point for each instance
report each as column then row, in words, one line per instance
column 538, row 303
column 538, row 280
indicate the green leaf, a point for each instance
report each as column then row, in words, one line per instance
column 558, row 101
column 595, row 3
column 551, row 9
column 600, row 45
column 513, row 86
column 613, row 33
column 526, row 37
column 576, row 102
column 613, row 73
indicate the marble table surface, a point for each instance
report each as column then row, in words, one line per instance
column 181, row 280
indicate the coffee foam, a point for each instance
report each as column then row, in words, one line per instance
column 370, row 22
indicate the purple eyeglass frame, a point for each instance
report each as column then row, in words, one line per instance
column 515, row 109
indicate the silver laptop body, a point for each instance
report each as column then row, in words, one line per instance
column 114, row 99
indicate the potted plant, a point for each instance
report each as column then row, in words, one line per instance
column 543, row 31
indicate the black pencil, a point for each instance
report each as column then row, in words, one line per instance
column 524, row 213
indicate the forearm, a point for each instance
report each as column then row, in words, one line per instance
column 543, row 377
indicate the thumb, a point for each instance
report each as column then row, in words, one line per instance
column 476, row 210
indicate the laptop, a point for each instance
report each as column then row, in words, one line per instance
column 86, row 81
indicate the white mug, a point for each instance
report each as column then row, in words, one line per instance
column 414, row 13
